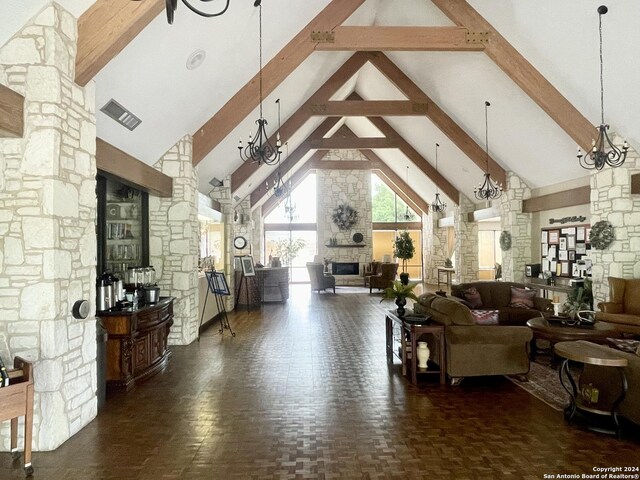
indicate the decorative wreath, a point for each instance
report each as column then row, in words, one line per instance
column 601, row 235
column 345, row 216
column 505, row 240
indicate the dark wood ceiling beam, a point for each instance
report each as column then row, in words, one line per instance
column 367, row 108
column 567, row 198
column 106, row 28
column 352, row 38
column 439, row 118
column 11, row 113
column 353, row 143
column 298, row 119
column 525, row 75
column 343, row 164
column 274, row 73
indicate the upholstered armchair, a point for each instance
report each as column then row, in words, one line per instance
column 623, row 307
column 319, row 279
column 371, row 270
column 385, row 277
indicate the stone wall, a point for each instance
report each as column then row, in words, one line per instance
column 435, row 247
column 611, row 200
column 518, row 224
column 466, row 246
column 351, row 187
column 47, row 226
column 174, row 235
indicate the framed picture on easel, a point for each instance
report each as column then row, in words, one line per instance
column 218, row 283
column 247, row 266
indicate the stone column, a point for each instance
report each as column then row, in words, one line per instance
column 174, row 235
column 518, row 224
column 466, row 246
column 435, row 247
column 47, row 226
column 611, row 200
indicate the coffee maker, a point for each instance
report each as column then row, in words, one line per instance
column 105, row 293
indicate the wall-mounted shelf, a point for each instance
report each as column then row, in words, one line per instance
column 350, row 245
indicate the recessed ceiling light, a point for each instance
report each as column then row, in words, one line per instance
column 196, row 59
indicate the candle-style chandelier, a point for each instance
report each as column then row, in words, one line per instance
column 438, row 205
column 172, row 5
column 487, row 189
column 259, row 150
column 603, row 151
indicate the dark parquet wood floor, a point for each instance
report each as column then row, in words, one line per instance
column 304, row 392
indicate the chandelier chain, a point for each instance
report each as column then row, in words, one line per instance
column 601, row 71
column 260, row 71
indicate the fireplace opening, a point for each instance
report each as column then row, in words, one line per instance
column 345, row 268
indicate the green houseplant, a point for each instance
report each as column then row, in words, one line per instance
column 580, row 298
column 404, row 249
column 400, row 292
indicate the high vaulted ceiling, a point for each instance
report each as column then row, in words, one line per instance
column 559, row 39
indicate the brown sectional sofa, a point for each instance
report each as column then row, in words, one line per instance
column 475, row 350
column 497, row 296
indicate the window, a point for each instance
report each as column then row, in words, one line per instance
column 386, row 206
column 489, row 253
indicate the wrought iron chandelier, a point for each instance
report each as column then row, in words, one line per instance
column 438, row 205
column 172, row 5
column 259, row 150
column 279, row 188
column 487, row 189
column 603, row 151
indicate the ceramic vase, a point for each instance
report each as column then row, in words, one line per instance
column 556, row 309
column 422, row 353
column 401, row 302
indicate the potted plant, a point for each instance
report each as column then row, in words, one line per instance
column 404, row 249
column 400, row 292
column 580, row 298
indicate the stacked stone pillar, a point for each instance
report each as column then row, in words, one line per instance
column 47, row 227
column 466, row 246
column 518, row 224
column 174, row 234
column 611, row 200
column 435, row 247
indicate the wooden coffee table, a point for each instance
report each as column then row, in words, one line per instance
column 557, row 332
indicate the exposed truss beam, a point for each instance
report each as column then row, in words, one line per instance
column 338, row 143
column 106, row 28
column 399, row 38
column 530, row 80
column 367, row 108
column 343, row 165
column 298, row 119
column 439, row 118
column 11, row 113
column 274, row 72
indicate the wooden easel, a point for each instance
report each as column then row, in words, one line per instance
column 222, row 310
column 16, row 400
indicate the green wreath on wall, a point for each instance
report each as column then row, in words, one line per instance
column 601, row 235
column 345, row 216
column 505, row 240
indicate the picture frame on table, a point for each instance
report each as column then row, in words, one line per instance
column 554, row 236
column 247, row 266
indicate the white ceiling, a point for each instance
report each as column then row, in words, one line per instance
column 560, row 39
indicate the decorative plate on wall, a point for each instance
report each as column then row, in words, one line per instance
column 358, row 237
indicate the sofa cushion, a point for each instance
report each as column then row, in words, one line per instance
column 473, row 298
column 485, row 317
column 443, row 310
column 521, row 297
column 517, row 316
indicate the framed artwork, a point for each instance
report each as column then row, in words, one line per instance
column 545, row 249
column 554, row 236
column 580, row 234
column 563, row 255
column 247, row 266
column 563, row 243
column 545, row 237
column 581, row 249
column 218, row 283
column 587, row 234
column 552, row 252
column 572, row 255
column 237, row 262
column 568, row 231
column 559, row 268
column 571, row 242
column 564, row 268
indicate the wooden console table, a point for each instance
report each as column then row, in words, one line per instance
column 410, row 331
column 447, row 273
column 137, row 343
column 16, row 400
column 585, row 353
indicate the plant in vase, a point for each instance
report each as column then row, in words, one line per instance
column 580, row 298
column 400, row 292
column 404, row 249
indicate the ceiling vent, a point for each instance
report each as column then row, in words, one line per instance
column 120, row 114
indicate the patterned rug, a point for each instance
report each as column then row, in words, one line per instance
column 544, row 384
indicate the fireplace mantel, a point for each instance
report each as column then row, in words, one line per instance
column 350, row 245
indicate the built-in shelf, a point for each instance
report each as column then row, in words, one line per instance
column 350, row 245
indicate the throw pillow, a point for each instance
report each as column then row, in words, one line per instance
column 485, row 317
column 472, row 295
column 522, row 298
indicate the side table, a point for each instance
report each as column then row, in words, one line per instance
column 411, row 329
column 447, row 273
column 582, row 399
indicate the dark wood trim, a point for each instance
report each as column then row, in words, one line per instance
column 114, row 161
column 11, row 113
column 483, row 214
column 356, row 143
column 343, row 165
column 568, row 198
column 367, row 108
column 294, row 227
column 396, row 226
column 635, row 184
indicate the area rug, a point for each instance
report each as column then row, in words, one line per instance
column 544, row 384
